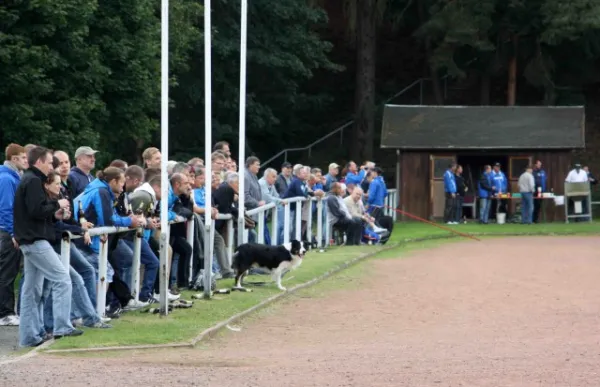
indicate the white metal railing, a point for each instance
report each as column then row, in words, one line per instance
column 322, row 236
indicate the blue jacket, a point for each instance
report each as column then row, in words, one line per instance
column 353, row 178
column 9, row 181
column 98, row 204
column 295, row 189
column 484, row 186
column 540, row 179
column 499, row 181
column 79, row 180
column 172, row 200
column 329, row 180
column 377, row 192
column 449, row 182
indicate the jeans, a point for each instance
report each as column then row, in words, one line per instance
column 182, row 253
column 41, row 262
column 484, row 209
column 10, row 261
column 151, row 263
column 81, row 305
column 85, row 269
column 220, row 252
column 459, row 208
column 526, row 207
column 124, row 258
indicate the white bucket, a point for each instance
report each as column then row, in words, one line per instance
column 559, row 200
column 500, row 218
column 578, row 207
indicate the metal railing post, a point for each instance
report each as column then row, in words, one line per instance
column 134, row 285
column 102, row 272
column 274, row 226
column 191, row 238
column 298, row 212
column 309, row 203
column 230, row 240
column 261, row 228
column 286, row 223
column 320, row 223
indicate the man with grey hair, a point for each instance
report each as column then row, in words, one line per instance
column 181, row 167
column 224, row 197
column 80, row 175
column 252, row 192
column 267, row 187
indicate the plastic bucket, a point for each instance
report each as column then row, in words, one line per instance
column 500, row 218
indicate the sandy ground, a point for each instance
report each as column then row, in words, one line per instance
column 502, row 312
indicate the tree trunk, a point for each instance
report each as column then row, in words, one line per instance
column 435, row 79
column 511, row 92
column 364, row 108
column 485, row 90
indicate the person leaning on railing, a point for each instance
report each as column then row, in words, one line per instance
column 97, row 205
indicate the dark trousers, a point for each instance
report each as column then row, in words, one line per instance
column 449, row 208
column 10, row 261
column 182, row 248
column 537, row 208
column 117, row 288
column 352, row 228
column 459, row 208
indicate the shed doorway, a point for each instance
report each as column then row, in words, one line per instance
column 473, row 167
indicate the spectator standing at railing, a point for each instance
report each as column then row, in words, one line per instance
column 485, row 192
column 182, row 208
column 252, row 192
column 540, row 186
column 270, row 195
column 354, row 176
column 97, row 204
column 331, row 176
column 224, row 197
column 151, row 158
column 196, row 162
column 34, row 215
column 122, row 165
column 223, row 147
column 450, row 192
column 284, row 178
column 200, row 209
column 10, row 255
column 79, row 261
column 82, row 306
column 218, row 161
column 85, row 162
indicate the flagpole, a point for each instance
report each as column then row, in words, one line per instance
column 242, row 119
column 208, row 243
column 164, row 151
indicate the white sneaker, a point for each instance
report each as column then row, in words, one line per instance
column 10, row 321
column 77, row 322
column 105, row 319
column 170, row 296
column 133, row 304
column 449, row 222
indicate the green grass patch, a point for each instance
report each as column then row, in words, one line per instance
column 136, row 328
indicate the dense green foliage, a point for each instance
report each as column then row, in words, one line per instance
column 88, row 71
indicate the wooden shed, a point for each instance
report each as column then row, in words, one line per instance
column 429, row 138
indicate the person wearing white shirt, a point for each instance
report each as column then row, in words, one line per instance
column 578, row 175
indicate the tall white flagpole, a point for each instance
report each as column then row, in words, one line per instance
column 242, row 120
column 208, row 243
column 164, row 151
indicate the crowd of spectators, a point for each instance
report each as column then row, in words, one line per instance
column 42, row 196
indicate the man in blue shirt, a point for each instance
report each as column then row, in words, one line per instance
column 499, row 186
column 10, row 255
column 539, row 175
column 450, row 192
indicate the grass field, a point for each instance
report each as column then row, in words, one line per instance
column 136, row 328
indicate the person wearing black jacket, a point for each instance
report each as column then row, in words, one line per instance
column 461, row 189
column 224, row 198
column 34, row 215
column 184, row 208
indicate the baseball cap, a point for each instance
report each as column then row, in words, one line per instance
column 85, row 150
column 286, row 165
column 497, row 165
column 333, row 165
column 378, row 170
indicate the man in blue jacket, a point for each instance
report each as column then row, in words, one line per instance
column 354, row 176
column 500, row 186
column 539, row 175
column 450, row 192
column 10, row 255
column 485, row 192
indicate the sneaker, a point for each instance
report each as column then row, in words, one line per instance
column 175, row 290
column 10, row 321
column 105, row 319
column 73, row 333
column 170, row 297
column 133, row 305
column 217, row 276
column 99, row 325
column 77, row 322
column 114, row 313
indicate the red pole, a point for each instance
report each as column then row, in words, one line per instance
column 434, row 224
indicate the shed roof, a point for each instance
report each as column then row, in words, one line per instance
column 414, row 127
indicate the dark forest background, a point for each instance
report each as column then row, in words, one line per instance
column 87, row 72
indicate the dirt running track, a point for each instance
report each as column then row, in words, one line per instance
column 502, row 312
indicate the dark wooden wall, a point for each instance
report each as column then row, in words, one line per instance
column 415, row 175
column 414, row 192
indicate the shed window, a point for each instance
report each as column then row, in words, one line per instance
column 439, row 165
column 517, row 166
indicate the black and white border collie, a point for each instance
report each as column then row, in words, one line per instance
column 276, row 259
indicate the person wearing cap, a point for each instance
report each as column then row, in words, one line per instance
column 284, row 178
column 80, row 175
column 485, row 192
column 331, row 176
